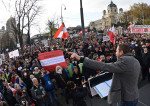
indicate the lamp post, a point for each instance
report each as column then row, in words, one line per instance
column 61, row 12
column 82, row 20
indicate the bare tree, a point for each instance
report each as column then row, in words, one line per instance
column 26, row 11
column 51, row 26
column 20, row 16
column 32, row 10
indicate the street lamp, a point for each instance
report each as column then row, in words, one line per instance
column 61, row 11
column 82, row 20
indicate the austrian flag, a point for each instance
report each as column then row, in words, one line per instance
column 62, row 32
column 49, row 60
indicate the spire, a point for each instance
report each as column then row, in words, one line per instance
column 111, row 2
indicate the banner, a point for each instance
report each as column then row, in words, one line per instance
column 18, row 45
column 140, row 29
column 14, row 53
column 49, row 60
column 2, row 56
column 106, row 38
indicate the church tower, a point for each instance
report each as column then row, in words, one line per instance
column 112, row 8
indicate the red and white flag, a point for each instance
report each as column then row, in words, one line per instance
column 12, row 89
column 62, row 32
column 111, row 33
column 129, row 27
column 81, row 32
column 49, row 60
column 25, row 47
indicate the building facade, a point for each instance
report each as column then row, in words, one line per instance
column 2, row 31
column 10, row 26
column 110, row 17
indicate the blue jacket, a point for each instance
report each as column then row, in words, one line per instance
column 48, row 85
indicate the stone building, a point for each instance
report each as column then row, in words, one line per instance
column 10, row 24
column 110, row 17
column 2, row 31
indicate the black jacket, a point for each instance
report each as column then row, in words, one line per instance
column 145, row 60
column 87, row 72
column 8, row 94
column 78, row 95
column 77, row 78
column 61, row 79
column 37, row 93
column 28, row 82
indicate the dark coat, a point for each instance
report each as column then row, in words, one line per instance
column 21, row 100
column 78, row 95
column 125, row 79
column 61, row 81
column 37, row 93
column 8, row 94
column 28, row 82
column 145, row 61
column 87, row 72
column 77, row 78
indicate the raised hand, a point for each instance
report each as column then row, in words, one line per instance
column 74, row 56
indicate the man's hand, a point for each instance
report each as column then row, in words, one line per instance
column 74, row 56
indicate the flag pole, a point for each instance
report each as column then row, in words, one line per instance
column 61, row 12
column 82, row 20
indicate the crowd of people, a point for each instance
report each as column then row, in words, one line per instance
column 23, row 81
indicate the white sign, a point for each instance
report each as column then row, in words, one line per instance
column 18, row 45
column 2, row 56
column 106, row 38
column 14, row 53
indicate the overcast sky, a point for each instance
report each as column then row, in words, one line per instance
column 93, row 10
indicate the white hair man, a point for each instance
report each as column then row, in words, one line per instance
column 38, row 93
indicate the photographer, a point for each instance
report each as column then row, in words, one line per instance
column 21, row 96
column 8, row 94
column 77, row 93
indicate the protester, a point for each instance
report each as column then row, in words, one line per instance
column 38, row 93
column 49, row 88
column 62, row 79
column 77, row 93
column 77, row 77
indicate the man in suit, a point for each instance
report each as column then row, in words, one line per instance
column 126, row 71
